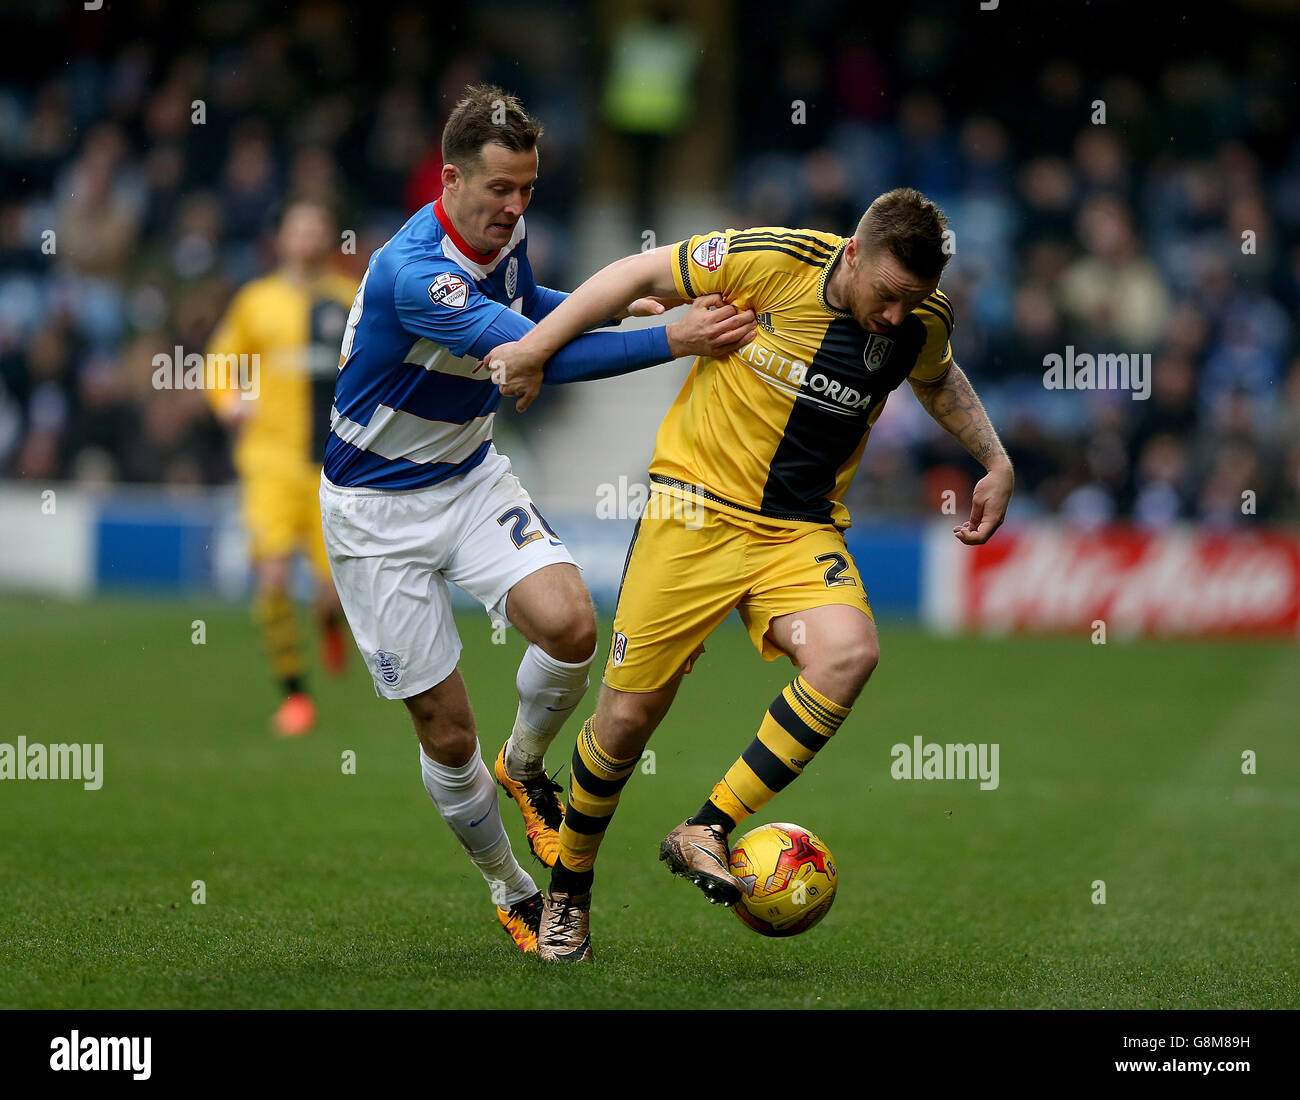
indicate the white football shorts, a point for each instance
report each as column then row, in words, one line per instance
column 393, row 553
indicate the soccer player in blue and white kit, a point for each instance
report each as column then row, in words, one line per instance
column 414, row 495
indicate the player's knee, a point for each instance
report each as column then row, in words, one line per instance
column 848, row 665
column 446, row 734
column 581, row 634
column 859, row 660
column 273, row 578
column 451, row 747
column 624, row 724
column 571, row 635
column 445, row 738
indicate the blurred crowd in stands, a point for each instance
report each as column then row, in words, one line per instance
column 1146, row 213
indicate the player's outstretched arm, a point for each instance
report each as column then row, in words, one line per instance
column 606, row 294
column 544, row 301
column 952, row 403
column 709, row 328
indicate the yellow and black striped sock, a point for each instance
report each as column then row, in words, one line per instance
column 274, row 614
column 595, row 784
column 797, row 725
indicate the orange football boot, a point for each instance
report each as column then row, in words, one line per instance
column 296, row 716
column 540, row 803
column 521, row 920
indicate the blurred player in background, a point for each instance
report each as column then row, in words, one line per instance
column 763, row 442
column 414, row 495
column 293, row 321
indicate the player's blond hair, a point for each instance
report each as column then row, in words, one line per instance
column 913, row 229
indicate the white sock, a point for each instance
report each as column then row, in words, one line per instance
column 466, row 797
column 548, row 692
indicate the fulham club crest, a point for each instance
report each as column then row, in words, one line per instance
column 876, row 353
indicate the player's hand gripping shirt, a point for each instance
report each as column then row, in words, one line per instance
column 776, row 429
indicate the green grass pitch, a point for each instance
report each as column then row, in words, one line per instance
column 1120, row 762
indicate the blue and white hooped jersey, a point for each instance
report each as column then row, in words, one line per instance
column 412, row 404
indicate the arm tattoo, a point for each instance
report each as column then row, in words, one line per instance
column 953, row 404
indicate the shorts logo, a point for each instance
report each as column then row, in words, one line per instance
column 710, row 254
column 877, row 351
column 449, row 290
column 512, row 276
column 388, row 666
column 620, row 648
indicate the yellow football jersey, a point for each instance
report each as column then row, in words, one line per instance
column 775, row 430
column 296, row 332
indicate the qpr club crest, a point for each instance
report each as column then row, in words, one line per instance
column 876, row 353
column 710, row 254
column 388, row 666
column 449, row 290
column 512, row 276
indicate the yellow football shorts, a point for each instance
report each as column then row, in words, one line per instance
column 282, row 514
column 683, row 578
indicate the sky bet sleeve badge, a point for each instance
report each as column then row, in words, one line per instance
column 449, row 290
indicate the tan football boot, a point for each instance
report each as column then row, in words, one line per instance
column 699, row 853
column 564, row 934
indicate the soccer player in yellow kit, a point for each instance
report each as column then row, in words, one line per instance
column 292, row 320
column 762, row 444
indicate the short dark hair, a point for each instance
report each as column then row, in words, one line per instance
column 485, row 114
column 913, row 229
